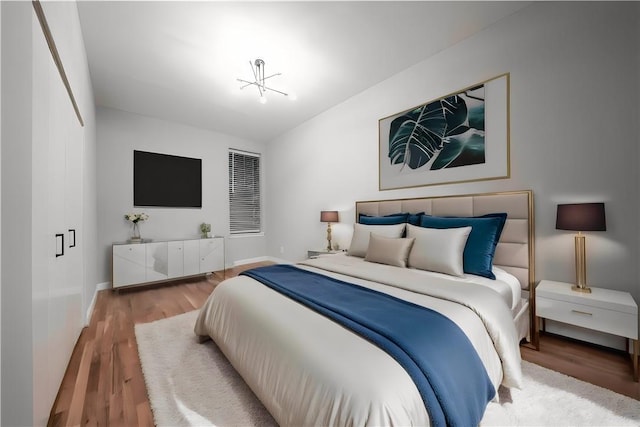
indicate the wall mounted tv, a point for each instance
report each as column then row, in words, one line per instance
column 166, row 181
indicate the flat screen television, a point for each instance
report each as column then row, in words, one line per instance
column 166, row 181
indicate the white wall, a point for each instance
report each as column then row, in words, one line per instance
column 574, row 136
column 119, row 133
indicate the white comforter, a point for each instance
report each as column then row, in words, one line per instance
column 308, row 370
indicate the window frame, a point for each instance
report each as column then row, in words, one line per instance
column 254, row 223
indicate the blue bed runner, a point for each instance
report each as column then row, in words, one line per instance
column 434, row 351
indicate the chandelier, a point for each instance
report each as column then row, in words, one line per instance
column 257, row 67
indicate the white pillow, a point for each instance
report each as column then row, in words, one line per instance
column 361, row 233
column 438, row 250
column 388, row 250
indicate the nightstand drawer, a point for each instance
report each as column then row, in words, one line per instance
column 609, row 321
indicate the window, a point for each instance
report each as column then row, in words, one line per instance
column 244, row 192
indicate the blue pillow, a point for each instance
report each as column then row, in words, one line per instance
column 481, row 243
column 414, row 219
column 399, row 218
column 392, row 219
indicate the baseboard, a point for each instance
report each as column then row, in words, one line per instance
column 99, row 287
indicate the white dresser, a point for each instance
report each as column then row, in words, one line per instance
column 604, row 310
column 151, row 262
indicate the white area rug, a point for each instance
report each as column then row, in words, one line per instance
column 192, row 384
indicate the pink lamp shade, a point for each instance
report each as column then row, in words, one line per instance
column 329, row 216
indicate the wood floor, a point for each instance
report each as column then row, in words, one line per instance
column 104, row 385
column 597, row 365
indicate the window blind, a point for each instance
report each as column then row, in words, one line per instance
column 244, row 192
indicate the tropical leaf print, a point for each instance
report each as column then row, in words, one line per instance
column 438, row 134
column 461, row 150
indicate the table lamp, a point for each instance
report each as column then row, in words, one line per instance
column 329, row 217
column 581, row 217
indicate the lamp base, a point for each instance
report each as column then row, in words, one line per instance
column 584, row 289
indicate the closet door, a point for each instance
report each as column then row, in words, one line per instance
column 57, row 207
column 73, row 190
column 48, row 155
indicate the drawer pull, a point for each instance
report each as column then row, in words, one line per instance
column 582, row 312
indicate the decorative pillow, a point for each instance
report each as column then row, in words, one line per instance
column 414, row 219
column 396, row 218
column 481, row 243
column 399, row 218
column 361, row 232
column 438, row 250
column 388, row 250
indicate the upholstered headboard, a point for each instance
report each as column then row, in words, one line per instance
column 515, row 250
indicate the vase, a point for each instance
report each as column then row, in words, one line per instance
column 135, row 235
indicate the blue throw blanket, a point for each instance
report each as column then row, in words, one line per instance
column 434, row 351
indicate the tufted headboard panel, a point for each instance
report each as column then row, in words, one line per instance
column 515, row 250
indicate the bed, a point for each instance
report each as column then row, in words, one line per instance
column 308, row 369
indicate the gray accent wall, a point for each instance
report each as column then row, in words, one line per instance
column 574, row 137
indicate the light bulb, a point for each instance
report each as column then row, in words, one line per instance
column 263, row 99
column 292, row 96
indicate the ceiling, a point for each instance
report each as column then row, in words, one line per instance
column 180, row 61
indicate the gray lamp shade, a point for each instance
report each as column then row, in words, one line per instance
column 328, row 216
column 581, row 217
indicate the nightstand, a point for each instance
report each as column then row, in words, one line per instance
column 315, row 253
column 604, row 310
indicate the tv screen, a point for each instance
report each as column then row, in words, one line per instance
column 166, row 181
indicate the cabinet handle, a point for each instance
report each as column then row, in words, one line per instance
column 71, row 230
column 582, row 312
column 61, row 253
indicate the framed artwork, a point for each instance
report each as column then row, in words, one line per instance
column 461, row 137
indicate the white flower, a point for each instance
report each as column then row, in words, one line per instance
column 136, row 217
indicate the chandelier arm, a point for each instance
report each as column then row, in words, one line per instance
column 275, row 90
column 246, row 81
column 250, row 84
column 273, row 75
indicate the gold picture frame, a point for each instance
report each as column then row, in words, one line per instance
column 460, row 137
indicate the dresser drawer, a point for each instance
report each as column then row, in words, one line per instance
column 609, row 321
